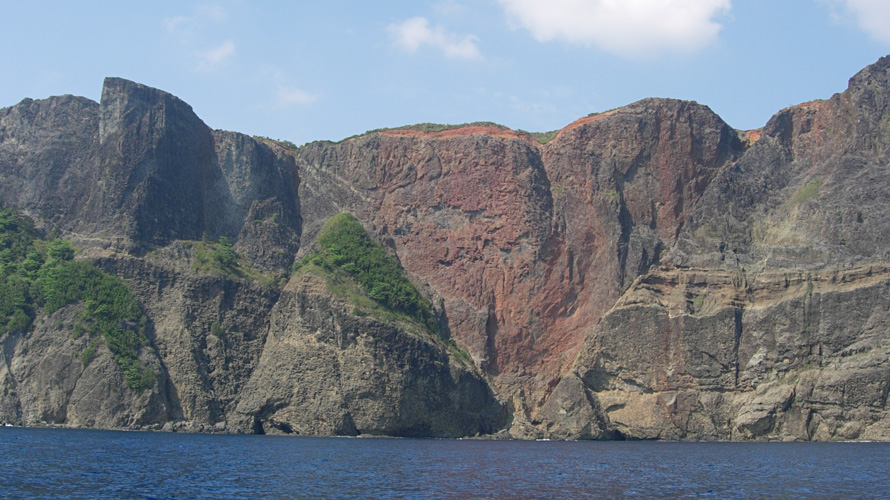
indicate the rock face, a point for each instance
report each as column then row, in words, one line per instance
column 648, row 273
column 43, row 380
column 379, row 380
column 768, row 319
column 143, row 185
column 527, row 245
column 722, row 355
column 143, row 168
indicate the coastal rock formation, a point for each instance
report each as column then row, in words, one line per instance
column 326, row 371
column 141, row 169
column 146, row 193
column 526, row 245
column 726, row 355
column 649, row 273
column 769, row 317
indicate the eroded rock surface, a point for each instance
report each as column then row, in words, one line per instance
column 325, row 371
column 648, row 273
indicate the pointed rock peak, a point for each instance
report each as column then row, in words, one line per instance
column 119, row 88
column 877, row 73
column 124, row 101
column 120, row 94
column 867, row 97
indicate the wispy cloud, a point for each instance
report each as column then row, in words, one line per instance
column 628, row 28
column 191, row 33
column 212, row 58
column 449, row 8
column 872, row 16
column 412, row 34
column 281, row 94
column 211, row 12
column 286, row 97
column 176, row 23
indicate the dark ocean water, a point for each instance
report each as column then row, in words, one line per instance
column 56, row 463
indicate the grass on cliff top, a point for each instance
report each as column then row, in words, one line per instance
column 288, row 145
column 341, row 285
column 39, row 277
column 541, row 137
column 219, row 259
column 344, row 250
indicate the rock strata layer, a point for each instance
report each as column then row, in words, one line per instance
column 649, row 273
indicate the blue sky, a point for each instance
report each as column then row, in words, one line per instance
column 306, row 71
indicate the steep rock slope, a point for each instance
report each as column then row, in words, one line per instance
column 769, row 319
column 378, row 379
column 648, row 273
column 42, row 380
column 147, row 188
column 526, row 245
column 141, row 168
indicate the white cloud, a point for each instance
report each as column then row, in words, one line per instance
column 176, row 23
column 282, row 94
column 211, row 59
column 202, row 17
column 414, row 33
column 193, row 36
column 286, row 97
column 449, row 8
column 211, row 12
column 873, row 16
column 629, row 28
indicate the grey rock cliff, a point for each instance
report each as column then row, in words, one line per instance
column 377, row 378
column 142, row 168
column 769, row 317
column 650, row 273
column 146, row 186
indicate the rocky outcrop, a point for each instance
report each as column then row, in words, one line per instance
column 41, row 143
column 141, row 168
column 154, row 188
column 808, row 193
column 237, row 356
column 526, row 245
column 768, row 318
column 262, row 181
column 650, row 273
column 716, row 356
column 378, row 379
column 44, row 380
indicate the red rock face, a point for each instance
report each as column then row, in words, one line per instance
column 528, row 245
column 626, row 182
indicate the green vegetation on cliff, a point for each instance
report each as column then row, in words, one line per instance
column 288, row 145
column 40, row 277
column 344, row 245
column 219, row 258
column 541, row 137
column 806, row 193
